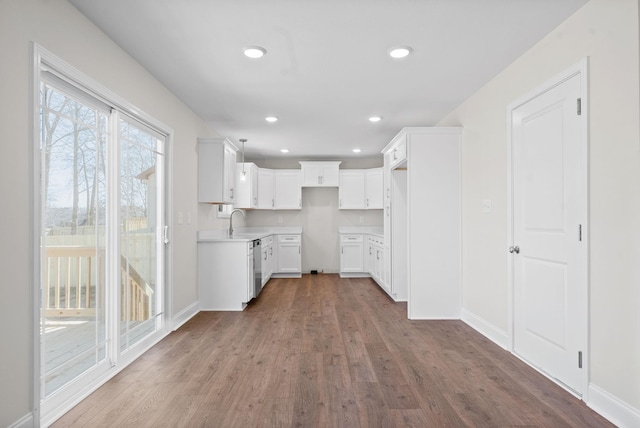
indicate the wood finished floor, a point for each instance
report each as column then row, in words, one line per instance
column 327, row 352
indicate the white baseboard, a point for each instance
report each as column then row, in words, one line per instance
column 24, row 422
column 612, row 408
column 482, row 326
column 185, row 315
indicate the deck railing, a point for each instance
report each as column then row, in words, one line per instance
column 74, row 278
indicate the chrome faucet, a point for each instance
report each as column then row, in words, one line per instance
column 231, row 220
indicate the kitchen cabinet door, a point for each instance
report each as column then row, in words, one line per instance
column 289, row 254
column 351, row 254
column 230, row 173
column 320, row 173
column 266, row 198
column 216, row 170
column 374, row 188
column 246, row 186
column 351, row 192
column 288, row 193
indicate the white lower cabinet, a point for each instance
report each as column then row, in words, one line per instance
column 267, row 259
column 225, row 275
column 351, row 255
column 376, row 256
column 289, row 256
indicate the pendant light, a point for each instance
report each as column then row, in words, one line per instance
column 243, row 177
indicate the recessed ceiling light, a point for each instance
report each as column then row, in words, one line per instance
column 400, row 52
column 357, row 150
column 284, row 150
column 375, row 119
column 271, row 119
column 254, row 51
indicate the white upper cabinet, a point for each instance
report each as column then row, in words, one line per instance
column 288, row 193
column 246, row 186
column 266, row 197
column 374, row 188
column 320, row 173
column 360, row 189
column 397, row 151
column 351, row 193
column 216, row 171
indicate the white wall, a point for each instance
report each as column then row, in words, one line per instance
column 319, row 217
column 61, row 29
column 607, row 32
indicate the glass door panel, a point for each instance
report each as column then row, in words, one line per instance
column 73, row 195
column 141, row 219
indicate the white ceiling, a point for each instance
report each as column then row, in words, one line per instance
column 326, row 69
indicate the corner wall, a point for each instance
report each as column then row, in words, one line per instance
column 61, row 29
column 607, row 32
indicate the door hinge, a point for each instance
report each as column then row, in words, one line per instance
column 579, row 359
column 579, row 106
column 579, row 232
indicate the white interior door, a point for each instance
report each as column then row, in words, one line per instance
column 549, row 212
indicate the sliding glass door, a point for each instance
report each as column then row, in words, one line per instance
column 101, row 243
column 141, row 161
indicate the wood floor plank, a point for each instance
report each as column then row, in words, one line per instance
column 321, row 351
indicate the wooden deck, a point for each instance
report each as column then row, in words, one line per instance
column 327, row 352
column 75, row 340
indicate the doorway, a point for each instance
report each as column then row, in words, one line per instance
column 548, row 240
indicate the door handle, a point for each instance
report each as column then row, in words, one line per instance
column 515, row 249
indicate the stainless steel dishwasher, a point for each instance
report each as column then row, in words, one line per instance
column 257, row 267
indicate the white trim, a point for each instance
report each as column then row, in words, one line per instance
column 579, row 69
column 612, row 408
column 485, row 328
column 185, row 315
column 36, row 232
column 27, row 421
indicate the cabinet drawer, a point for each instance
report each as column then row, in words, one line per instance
column 288, row 238
column 350, row 238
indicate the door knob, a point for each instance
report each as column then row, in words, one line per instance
column 515, row 249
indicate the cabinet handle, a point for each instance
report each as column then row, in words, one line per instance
column 271, row 251
column 231, row 193
column 370, row 249
column 367, row 202
column 340, row 203
column 387, row 210
column 388, row 192
column 265, row 255
column 298, row 249
column 273, row 203
column 342, row 249
column 395, row 153
column 300, row 202
column 378, row 254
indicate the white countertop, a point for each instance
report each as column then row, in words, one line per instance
column 365, row 230
column 245, row 234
